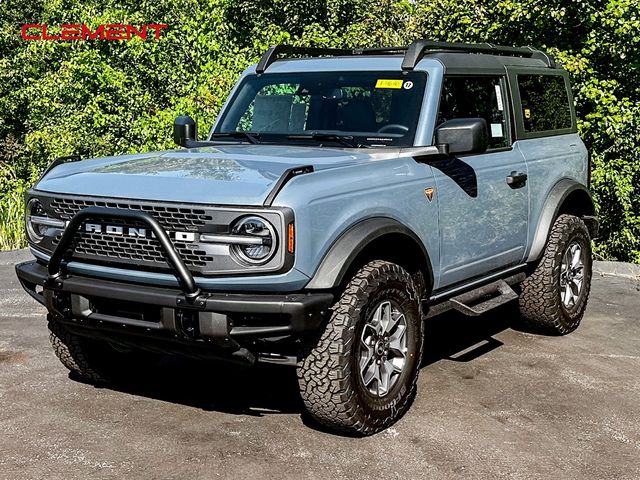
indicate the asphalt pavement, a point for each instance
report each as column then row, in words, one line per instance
column 492, row 403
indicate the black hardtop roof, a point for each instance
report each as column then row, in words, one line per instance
column 456, row 63
column 453, row 55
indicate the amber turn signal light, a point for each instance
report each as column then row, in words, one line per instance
column 291, row 238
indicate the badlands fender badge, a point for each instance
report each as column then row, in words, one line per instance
column 428, row 192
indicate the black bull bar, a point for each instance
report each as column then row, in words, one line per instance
column 183, row 274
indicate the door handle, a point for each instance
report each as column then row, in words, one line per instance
column 517, row 179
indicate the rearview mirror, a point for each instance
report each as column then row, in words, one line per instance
column 185, row 130
column 462, row 135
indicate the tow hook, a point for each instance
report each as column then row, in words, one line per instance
column 187, row 323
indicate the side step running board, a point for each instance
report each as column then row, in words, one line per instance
column 498, row 292
column 481, row 299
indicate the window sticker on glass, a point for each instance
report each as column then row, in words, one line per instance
column 499, row 97
column 383, row 83
column 496, row 130
column 527, row 113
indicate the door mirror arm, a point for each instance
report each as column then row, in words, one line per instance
column 443, row 148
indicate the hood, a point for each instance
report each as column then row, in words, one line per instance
column 225, row 175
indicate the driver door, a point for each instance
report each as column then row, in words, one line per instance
column 483, row 219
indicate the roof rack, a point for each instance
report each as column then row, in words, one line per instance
column 417, row 49
column 413, row 53
column 271, row 55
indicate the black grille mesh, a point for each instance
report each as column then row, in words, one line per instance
column 114, row 247
column 172, row 218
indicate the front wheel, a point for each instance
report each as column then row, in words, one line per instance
column 554, row 297
column 361, row 375
column 92, row 360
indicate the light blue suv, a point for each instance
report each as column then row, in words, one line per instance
column 341, row 197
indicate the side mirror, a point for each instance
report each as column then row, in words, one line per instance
column 462, row 135
column 185, row 130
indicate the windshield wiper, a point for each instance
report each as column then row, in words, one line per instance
column 252, row 137
column 344, row 140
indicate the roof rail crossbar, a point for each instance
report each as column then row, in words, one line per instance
column 271, row 55
column 416, row 50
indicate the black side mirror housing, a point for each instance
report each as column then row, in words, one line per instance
column 462, row 135
column 185, row 130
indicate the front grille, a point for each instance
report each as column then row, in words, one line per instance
column 137, row 250
column 171, row 218
column 142, row 252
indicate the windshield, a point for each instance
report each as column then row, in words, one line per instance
column 348, row 109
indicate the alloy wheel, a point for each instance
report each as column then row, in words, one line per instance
column 383, row 348
column 571, row 275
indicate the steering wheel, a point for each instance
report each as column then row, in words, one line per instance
column 394, row 126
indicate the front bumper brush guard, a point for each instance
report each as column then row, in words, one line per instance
column 57, row 263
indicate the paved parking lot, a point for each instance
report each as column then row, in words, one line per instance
column 515, row 406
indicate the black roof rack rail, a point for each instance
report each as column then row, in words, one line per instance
column 271, row 55
column 416, row 50
column 413, row 53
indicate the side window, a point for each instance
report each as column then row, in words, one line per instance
column 472, row 97
column 545, row 103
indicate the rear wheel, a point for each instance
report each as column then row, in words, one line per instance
column 361, row 376
column 554, row 297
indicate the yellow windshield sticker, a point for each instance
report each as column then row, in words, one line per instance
column 381, row 83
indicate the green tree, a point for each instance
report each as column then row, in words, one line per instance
column 105, row 98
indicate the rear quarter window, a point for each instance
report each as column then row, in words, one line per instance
column 544, row 102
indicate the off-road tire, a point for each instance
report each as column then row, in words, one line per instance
column 329, row 380
column 541, row 306
column 92, row 360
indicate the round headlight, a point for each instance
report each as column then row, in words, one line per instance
column 262, row 249
column 35, row 231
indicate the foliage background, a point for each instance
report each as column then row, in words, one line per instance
column 105, row 98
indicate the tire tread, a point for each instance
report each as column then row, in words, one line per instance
column 72, row 352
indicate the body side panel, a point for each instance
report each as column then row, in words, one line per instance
column 549, row 160
column 329, row 203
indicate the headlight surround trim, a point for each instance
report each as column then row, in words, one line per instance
column 35, row 231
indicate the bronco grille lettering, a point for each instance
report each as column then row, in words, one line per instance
column 138, row 232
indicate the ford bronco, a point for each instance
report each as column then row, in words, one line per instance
column 341, row 197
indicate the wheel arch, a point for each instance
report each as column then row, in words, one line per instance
column 379, row 238
column 566, row 197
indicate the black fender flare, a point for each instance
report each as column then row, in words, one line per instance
column 338, row 259
column 551, row 209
